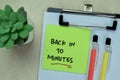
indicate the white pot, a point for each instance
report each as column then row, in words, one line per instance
column 30, row 37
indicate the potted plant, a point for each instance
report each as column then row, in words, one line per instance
column 14, row 27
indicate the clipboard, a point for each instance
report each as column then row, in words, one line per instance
column 102, row 24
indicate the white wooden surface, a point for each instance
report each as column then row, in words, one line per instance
column 22, row 63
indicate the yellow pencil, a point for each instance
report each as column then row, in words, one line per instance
column 104, row 66
column 106, row 59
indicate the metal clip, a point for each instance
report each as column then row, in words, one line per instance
column 88, row 7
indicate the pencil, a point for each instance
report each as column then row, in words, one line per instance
column 105, row 60
column 104, row 66
column 92, row 64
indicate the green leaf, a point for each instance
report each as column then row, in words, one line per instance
column 1, row 15
column 24, row 14
column 28, row 27
column 3, row 31
column 5, row 18
column 9, row 43
column 8, row 10
column 7, row 26
column 4, row 38
column 1, row 11
column 1, row 45
column 18, row 25
column 20, row 41
column 3, row 24
column 22, row 18
column 21, row 9
column 13, row 17
column 14, row 36
column 13, row 29
column 23, row 34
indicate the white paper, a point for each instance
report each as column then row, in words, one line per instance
column 114, row 69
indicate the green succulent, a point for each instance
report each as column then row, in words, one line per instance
column 14, row 29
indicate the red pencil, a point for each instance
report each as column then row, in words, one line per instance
column 92, row 64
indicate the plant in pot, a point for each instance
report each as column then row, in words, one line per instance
column 14, row 27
